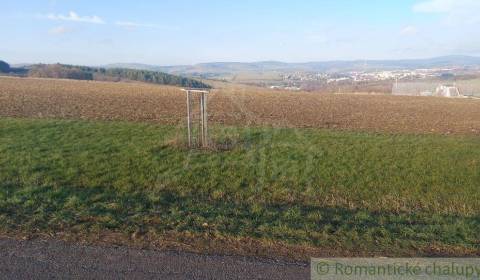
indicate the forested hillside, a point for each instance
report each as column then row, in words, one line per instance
column 116, row 74
column 4, row 67
column 62, row 71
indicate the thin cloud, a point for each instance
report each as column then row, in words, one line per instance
column 435, row 6
column 130, row 25
column 59, row 30
column 72, row 16
column 409, row 30
column 456, row 11
column 133, row 25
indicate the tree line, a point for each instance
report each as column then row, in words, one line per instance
column 4, row 67
column 63, row 71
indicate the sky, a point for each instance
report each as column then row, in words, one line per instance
column 179, row 32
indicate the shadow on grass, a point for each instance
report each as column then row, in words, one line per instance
column 220, row 142
column 50, row 209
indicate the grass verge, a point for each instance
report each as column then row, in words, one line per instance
column 339, row 192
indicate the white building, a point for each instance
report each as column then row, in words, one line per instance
column 447, row 91
column 426, row 89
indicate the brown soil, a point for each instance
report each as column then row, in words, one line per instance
column 238, row 105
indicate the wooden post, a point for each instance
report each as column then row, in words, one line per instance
column 202, row 121
column 199, row 139
column 189, row 126
column 205, row 119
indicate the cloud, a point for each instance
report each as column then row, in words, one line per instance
column 59, row 30
column 409, row 30
column 434, row 6
column 133, row 25
column 72, row 16
column 317, row 38
column 456, row 11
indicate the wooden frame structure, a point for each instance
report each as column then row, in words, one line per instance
column 194, row 96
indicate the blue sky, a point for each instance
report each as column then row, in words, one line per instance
column 168, row 32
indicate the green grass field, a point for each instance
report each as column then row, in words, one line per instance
column 325, row 189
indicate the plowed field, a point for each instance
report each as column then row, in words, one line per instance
column 235, row 105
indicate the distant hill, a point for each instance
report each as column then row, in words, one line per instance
column 138, row 66
column 4, row 67
column 62, row 71
column 231, row 68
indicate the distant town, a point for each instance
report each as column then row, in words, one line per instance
column 373, row 81
column 367, row 76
